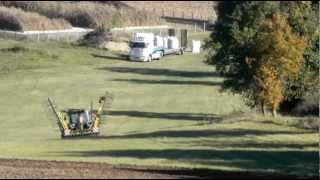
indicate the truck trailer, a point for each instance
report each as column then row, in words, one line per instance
column 147, row 47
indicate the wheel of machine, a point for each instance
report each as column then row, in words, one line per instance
column 161, row 55
column 181, row 52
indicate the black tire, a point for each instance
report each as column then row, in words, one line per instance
column 181, row 51
column 150, row 58
column 161, row 54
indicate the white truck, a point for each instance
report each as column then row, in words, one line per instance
column 147, row 47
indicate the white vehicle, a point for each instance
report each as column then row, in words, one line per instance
column 146, row 47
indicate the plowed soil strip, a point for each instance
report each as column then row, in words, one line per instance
column 30, row 169
column 58, row 170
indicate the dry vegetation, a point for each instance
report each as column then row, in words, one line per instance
column 42, row 15
column 87, row 14
column 199, row 9
column 19, row 20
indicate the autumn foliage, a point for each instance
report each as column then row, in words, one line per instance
column 268, row 51
column 278, row 56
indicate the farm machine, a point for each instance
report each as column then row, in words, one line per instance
column 79, row 122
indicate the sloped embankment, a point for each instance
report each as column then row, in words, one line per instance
column 19, row 20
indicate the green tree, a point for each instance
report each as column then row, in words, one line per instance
column 233, row 41
column 303, row 18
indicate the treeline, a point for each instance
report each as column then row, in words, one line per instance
column 269, row 52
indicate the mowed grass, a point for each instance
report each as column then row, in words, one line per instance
column 165, row 113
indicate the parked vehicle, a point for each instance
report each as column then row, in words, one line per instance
column 147, row 47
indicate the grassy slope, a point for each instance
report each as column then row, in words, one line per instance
column 156, row 118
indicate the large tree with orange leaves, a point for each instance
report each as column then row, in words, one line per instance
column 234, row 43
column 277, row 56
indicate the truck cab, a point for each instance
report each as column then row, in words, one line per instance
column 142, row 48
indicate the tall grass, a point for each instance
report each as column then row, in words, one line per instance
column 19, row 20
column 188, row 9
column 87, row 14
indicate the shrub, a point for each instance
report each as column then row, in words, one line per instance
column 16, row 48
column 308, row 106
column 97, row 38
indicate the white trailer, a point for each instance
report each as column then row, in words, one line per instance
column 147, row 47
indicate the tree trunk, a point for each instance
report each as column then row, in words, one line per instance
column 274, row 112
column 262, row 108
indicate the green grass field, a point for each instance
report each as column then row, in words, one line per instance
column 165, row 113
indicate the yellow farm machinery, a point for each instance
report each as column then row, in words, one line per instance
column 79, row 122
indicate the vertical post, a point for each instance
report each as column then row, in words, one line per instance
column 184, row 38
column 204, row 26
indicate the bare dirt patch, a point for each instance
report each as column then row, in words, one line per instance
column 58, row 170
column 34, row 169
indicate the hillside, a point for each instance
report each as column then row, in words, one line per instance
column 19, row 20
column 199, row 9
column 92, row 14
column 84, row 14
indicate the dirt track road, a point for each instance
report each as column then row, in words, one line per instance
column 59, row 170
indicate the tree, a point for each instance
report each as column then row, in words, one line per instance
column 303, row 18
column 277, row 57
column 233, row 42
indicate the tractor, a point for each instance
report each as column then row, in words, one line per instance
column 79, row 122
